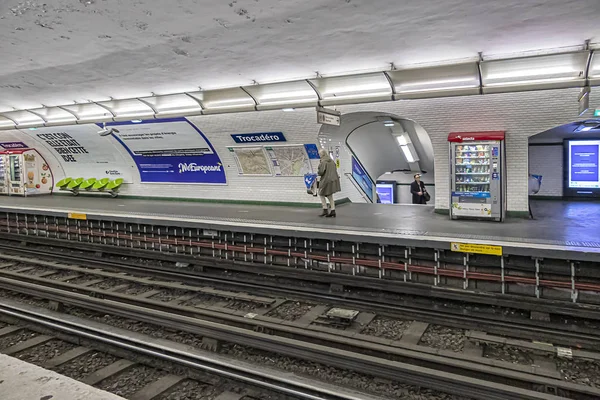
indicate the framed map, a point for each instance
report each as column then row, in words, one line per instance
column 251, row 161
column 289, row 160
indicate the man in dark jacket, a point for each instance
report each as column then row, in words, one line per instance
column 417, row 188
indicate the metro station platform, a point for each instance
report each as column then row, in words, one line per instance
column 20, row 380
column 559, row 226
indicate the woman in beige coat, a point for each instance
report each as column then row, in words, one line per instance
column 329, row 183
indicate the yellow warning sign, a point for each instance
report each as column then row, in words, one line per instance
column 337, row 162
column 476, row 248
column 77, row 216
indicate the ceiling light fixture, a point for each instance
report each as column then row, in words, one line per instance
column 531, row 72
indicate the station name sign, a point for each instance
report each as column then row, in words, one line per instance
column 326, row 116
column 259, row 137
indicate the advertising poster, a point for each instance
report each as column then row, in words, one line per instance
column 385, row 192
column 82, row 152
column 362, row 179
column 584, row 160
column 171, row 151
column 465, row 209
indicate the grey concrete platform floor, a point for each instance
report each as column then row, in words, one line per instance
column 559, row 223
column 20, row 380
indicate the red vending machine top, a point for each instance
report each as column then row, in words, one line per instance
column 460, row 137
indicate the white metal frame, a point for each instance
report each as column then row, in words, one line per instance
column 547, row 71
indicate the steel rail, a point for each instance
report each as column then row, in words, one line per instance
column 409, row 373
column 518, row 328
column 230, row 370
column 557, row 307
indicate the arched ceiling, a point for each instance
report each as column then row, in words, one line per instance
column 58, row 51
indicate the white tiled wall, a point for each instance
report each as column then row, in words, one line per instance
column 519, row 114
column 548, row 162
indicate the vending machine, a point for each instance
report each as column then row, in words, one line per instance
column 477, row 175
column 24, row 172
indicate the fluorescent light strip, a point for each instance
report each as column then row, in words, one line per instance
column 548, row 80
column 407, row 154
column 289, row 95
column 532, row 72
column 440, row 89
column 356, row 95
column 357, row 89
column 441, row 82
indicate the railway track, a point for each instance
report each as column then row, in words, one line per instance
column 455, row 374
column 565, row 327
column 140, row 367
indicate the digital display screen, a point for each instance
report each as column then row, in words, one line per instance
column 385, row 192
column 583, row 164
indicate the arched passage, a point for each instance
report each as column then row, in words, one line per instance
column 372, row 147
column 564, row 173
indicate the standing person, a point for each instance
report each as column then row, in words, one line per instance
column 419, row 193
column 329, row 182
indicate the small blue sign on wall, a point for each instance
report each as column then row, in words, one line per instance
column 263, row 137
column 313, row 151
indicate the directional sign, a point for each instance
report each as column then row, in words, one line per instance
column 328, row 117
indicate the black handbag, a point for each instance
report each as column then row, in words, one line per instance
column 426, row 195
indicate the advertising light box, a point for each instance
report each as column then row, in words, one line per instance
column 584, row 158
column 385, row 192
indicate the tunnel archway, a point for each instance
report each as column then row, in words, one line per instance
column 373, row 146
column 564, row 174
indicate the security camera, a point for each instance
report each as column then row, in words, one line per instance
column 105, row 132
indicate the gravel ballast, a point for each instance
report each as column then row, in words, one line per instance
column 388, row 328
column 130, row 381
column 47, row 351
column 191, row 390
column 15, row 338
column 579, row 371
column 291, row 310
column 443, row 337
column 509, row 354
column 85, row 365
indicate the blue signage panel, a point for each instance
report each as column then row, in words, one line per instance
column 263, row 137
column 362, row 178
column 584, row 169
column 385, row 192
column 482, row 195
column 171, row 151
column 309, row 180
column 14, row 145
column 313, row 151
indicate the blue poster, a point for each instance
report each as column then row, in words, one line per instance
column 385, row 192
column 170, row 151
column 313, row 151
column 362, row 179
column 583, row 168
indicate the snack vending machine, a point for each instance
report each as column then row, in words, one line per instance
column 3, row 176
column 24, row 172
column 477, row 175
